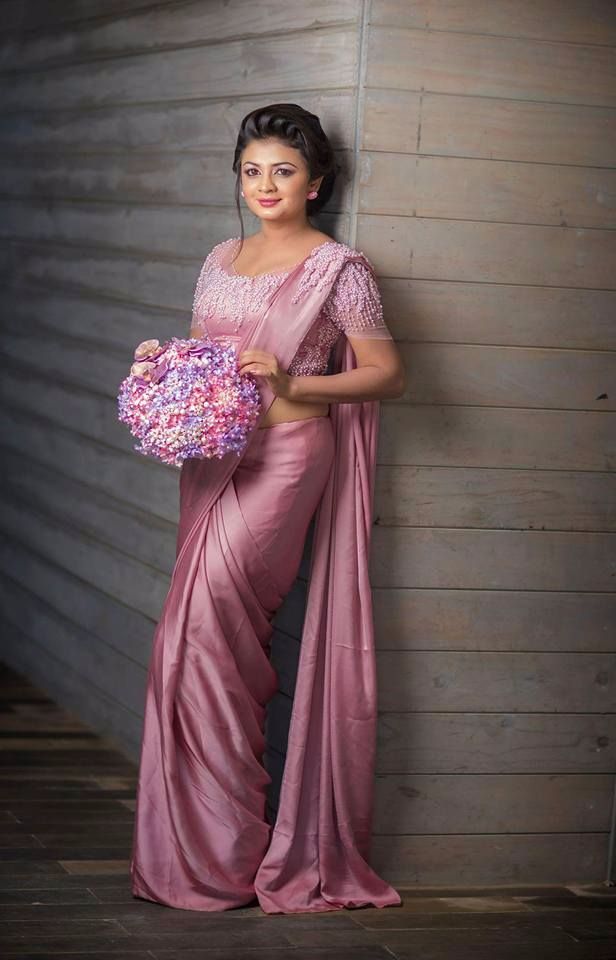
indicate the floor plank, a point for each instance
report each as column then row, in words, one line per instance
column 66, row 812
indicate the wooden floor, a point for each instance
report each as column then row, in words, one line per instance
column 67, row 802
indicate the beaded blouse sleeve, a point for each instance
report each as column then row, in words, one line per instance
column 354, row 304
column 199, row 288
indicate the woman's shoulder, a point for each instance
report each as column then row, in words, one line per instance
column 342, row 252
column 210, row 266
column 213, row 259
column 222, row 245
column 334, row 257
column 334, row 264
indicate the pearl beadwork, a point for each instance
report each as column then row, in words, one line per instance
column 352, row 307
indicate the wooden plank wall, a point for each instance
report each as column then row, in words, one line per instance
column 119, row 124
column 493, row 562
column 487, row 178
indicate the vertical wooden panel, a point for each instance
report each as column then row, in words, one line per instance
column 474, row 117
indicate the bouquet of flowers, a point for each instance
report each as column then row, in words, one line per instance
column 187, row 398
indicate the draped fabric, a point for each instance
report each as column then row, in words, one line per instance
column 201, row 839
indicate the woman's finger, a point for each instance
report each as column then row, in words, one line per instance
column 261, row 355
column 253, row 352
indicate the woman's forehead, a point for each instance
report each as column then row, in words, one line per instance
column 271, row 151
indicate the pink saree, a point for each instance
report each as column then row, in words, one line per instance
column 201, row 840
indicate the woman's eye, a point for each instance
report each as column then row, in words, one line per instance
column 250, row 170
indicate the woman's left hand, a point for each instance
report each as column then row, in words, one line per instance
column 263, row 364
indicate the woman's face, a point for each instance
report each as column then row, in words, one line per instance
column 272, row 170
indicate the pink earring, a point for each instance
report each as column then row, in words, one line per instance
column 242, row 193
column 313, row 195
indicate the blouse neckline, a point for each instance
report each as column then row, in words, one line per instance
column 273, row 273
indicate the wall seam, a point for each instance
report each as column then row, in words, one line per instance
column 362, row 64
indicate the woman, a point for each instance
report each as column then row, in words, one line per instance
column 201, row 840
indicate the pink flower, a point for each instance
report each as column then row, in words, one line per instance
column 199, row 347
column 143, row 370
column 148, row 348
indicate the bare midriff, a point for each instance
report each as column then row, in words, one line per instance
column 282, row 410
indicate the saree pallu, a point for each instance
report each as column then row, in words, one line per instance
column 201, row 838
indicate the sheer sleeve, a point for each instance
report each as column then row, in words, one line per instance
column 354, row 304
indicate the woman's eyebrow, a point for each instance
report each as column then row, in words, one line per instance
column 252, row 162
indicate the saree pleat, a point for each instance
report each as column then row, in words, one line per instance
column 201, row 837
column 210, row 822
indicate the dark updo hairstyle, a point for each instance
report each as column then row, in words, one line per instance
column 298, row 128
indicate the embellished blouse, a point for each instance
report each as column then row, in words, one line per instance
column 353, row 306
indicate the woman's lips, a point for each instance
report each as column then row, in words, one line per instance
column 268, row 203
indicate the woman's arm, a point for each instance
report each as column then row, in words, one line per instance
column 380, row 375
